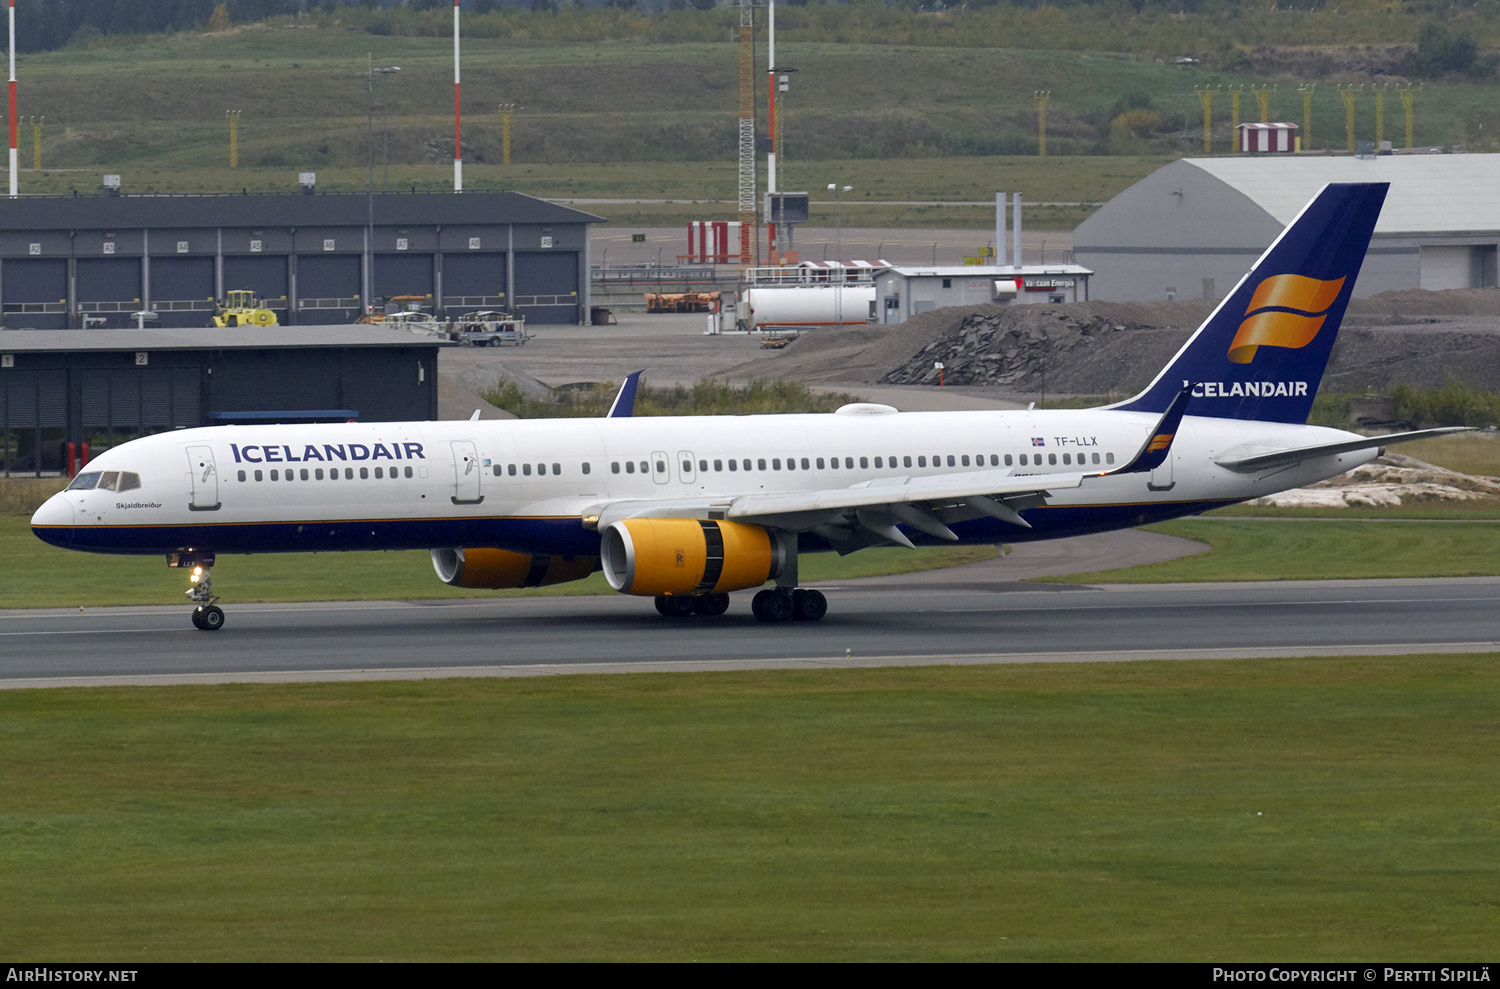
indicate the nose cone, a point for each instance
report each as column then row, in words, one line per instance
column 53, row 522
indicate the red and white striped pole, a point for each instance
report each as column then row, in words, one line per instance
column 458, row 152
column 15, row 161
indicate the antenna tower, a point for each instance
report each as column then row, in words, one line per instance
column 747, row 129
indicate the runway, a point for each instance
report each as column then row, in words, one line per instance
column 919, row 620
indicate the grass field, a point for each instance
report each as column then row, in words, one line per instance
column 1259, row 810
column 1320, row 549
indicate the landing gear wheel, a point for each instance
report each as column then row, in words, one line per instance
column 710, row 605
column 758, row 604
column 776, row 606
column 210, row 618
column 674, row 606
column 810, row 606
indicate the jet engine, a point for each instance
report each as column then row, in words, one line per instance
column 687, row 556
column 500, row 568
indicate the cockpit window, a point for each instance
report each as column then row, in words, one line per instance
column 108, row 480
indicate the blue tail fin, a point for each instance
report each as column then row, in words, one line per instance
column 1263, row 351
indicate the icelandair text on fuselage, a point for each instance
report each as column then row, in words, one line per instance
column 283, row 454
column 47, row 974
column 1388, row 973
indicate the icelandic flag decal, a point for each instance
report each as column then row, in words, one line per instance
column 1038, row 441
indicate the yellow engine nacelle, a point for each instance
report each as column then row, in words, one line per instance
column 687, row 556
column 496, row 569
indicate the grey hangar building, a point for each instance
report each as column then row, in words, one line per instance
column 314, row 259
column 317, row 261
column 1191, row 229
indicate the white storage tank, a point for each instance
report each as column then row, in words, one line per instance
column 806, row 305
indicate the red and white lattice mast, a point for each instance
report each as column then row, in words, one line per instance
column 15, row 162
column 458, row 147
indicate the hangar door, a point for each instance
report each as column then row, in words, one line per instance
column 403, row 274
column 328, row 288
column 474, row 281
column 36, row 293
column 121, row 404
column 109, row 286
column 547, row 287
column 33, row 421
column 266, row 276
column 1458, row 266
column 182, row 290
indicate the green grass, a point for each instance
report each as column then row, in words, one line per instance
column 1319, row 549
column 1273, row 810
column 35, row 575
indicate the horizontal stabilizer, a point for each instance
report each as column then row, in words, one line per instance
column 1286, row 458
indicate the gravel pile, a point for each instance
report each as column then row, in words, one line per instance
column 1388, row 482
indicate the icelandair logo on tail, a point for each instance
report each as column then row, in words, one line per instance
column 1285, row 311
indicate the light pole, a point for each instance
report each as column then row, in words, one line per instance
column 838, row 211
column 372, row 73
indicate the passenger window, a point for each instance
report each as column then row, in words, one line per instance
column 1007, row 460
column 348, row 473
column 614, row 467
column 746, row 464
column 526, row 469
column 820, row 463
column 1052, row 459
column 585, row 467
column 1067, row 458
column 408, row 472
column 1109, row 458
column 805, row 465
column 687, row 466
column 833, row 462
column 776, row 463
column 905, row 461
column 921, row 461
column 257, row 475
column 379, row 473
column 1096, row 458
column 499, row 470
column 864, row 463
column 761, row 463
column 275, row 475
column 950, row 461
column 630, row 466
column 364, row 474
column 966, row 460
column 734, row 464
column 318, row 474
column 878, row 463
column 645, row 467
column 661, row 466
column 242, row 475
column 719, row 465
column 541, row 470
column 848, row 463
column 557, row 470
column 1023, row 460
column 703, row 466
column 304, row 473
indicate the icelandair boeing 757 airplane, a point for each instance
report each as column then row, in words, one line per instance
column 686, row 510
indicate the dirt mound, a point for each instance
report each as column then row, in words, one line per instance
column 1389, row 481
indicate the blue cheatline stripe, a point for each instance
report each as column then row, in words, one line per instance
column 551, row 536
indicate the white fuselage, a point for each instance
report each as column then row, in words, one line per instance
column 531, row 485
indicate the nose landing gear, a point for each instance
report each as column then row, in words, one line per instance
column 207, row 616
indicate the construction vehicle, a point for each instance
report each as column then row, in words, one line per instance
column 242, row 308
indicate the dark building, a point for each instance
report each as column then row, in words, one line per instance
column 313, row 259
column 84, row 391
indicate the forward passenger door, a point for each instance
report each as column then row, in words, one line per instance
column 466, row 473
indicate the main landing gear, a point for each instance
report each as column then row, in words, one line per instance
column 207, row 616
column 781, row 604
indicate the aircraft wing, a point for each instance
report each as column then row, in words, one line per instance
column 1286, row 458
column 868, row 512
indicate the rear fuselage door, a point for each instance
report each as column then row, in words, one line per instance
column 466, row 473
column 205, row 477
